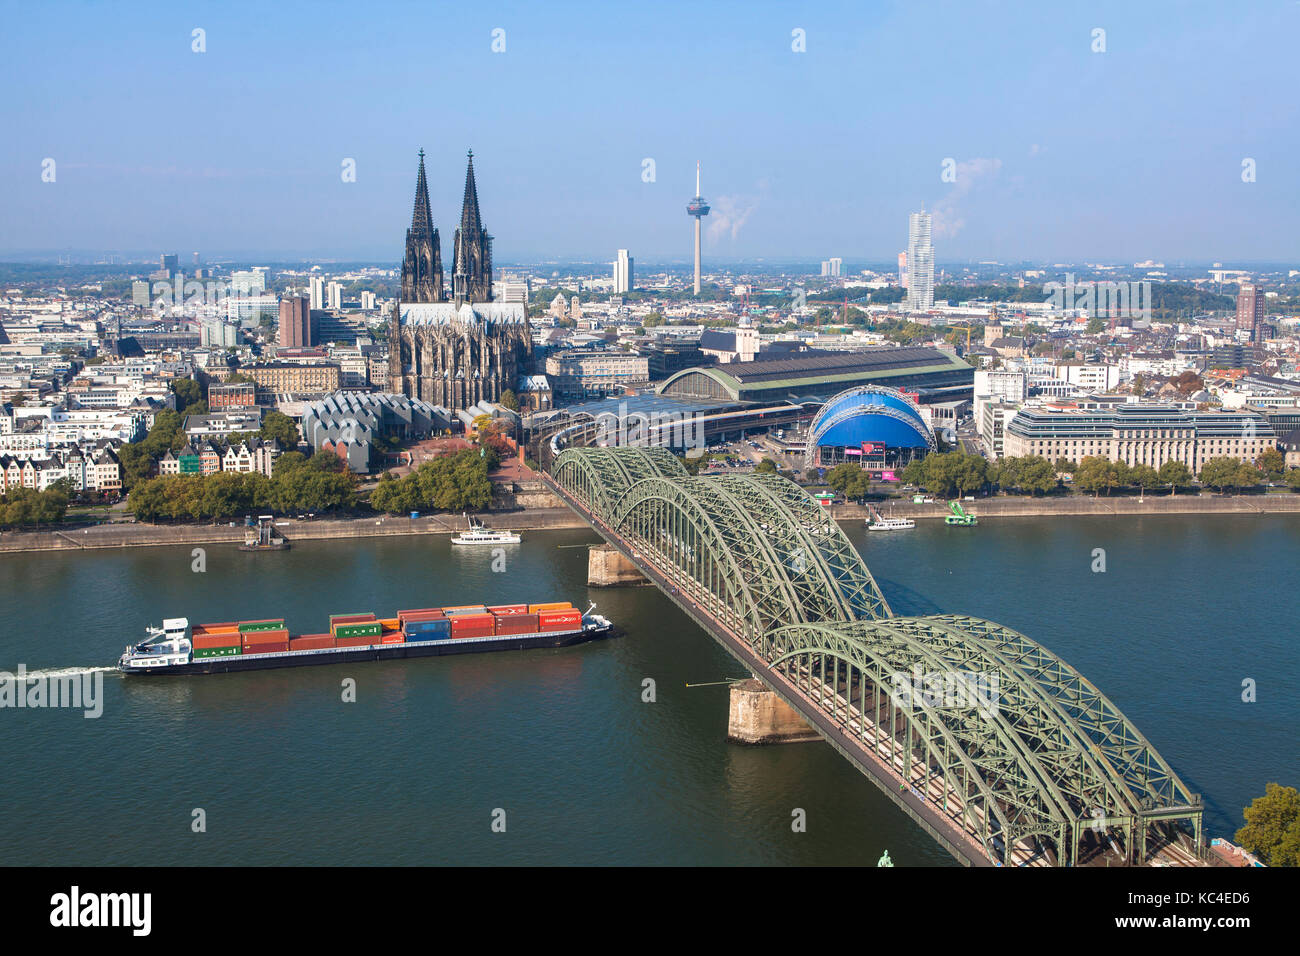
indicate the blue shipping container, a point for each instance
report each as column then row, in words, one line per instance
column 427, row 636
column 427, row 627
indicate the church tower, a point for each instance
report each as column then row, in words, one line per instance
column 472, row 265
column 422, row 266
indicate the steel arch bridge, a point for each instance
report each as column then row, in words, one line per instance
column 1014, row 752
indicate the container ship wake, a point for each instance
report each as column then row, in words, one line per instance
column 176, row 648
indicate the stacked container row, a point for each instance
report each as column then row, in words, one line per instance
column 265, row 641
column 216, row 640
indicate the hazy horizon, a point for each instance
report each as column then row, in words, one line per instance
column 1061, row 154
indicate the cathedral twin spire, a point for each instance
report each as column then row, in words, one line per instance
column 422, row 278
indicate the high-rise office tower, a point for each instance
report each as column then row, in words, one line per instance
column 697, row 209
column 623, row 280
column 920, row 263
column 335, row 291
column 317, row 292
column 295, row 322
column 169, row 263
column 1250, row 310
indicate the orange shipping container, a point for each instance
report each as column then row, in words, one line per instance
column 393, row 637
column 554, row 606
column 220, row 639
column 390, row 623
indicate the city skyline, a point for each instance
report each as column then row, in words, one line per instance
column 805, row 152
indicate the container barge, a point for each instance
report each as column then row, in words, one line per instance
column 177, row 648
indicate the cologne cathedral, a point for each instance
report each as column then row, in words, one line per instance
column 461, row 350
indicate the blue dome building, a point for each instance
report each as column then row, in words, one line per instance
column 878, row 427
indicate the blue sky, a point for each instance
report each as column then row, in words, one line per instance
column 1061, row 153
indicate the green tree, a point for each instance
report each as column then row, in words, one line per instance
column 842, row 475
column 1096, row 326
column 1272, row 830
column 1175, row 474
column 1272, row 463
column 280, row 427
column 1096, row 474
column 765, row 467
column 1143, row 477
column 950, row 473
column 913, row 473
column 187, row 391
column 1066, row 466
column 1293, row 479
column 510, row 400
column 1037, row 476
column 1222, row 474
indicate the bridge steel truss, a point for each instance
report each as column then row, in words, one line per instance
column 1014, row 746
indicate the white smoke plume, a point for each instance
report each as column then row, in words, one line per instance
column 948, row 218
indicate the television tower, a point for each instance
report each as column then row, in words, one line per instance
column 697, row 208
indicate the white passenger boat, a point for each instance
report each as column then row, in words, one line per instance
column 477, row 534
column 878, row 522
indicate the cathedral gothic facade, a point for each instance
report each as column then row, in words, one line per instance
column 460, row 350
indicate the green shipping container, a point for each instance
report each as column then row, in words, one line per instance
column 261, row 625
column 359, row 630
column 200, row 652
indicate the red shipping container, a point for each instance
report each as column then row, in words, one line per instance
column 559, row 620
column 466, row 620
column 352, row 619
column 265, row 637
column 355, row 641
column 266, row 648
column 473, row 625
column 221, row 639
column 392, row 637
column 421, row 616
column 310, row 642
column 424, row 613
column 509, row 609
column 517, row 624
